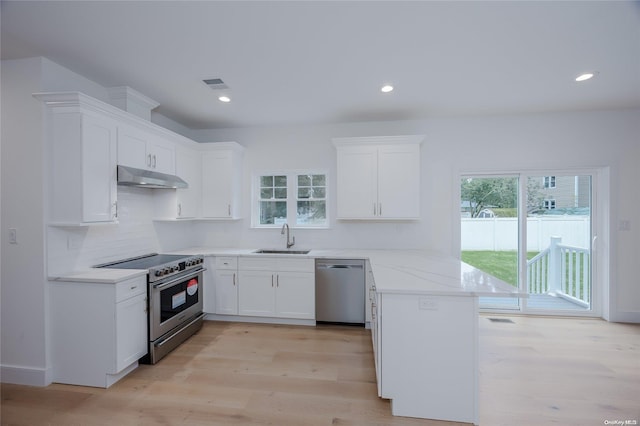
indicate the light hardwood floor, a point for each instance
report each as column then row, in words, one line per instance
column 534, row 371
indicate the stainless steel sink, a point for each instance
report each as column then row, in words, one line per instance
column 276, row 251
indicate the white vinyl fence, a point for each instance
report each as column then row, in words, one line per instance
column 499, row 233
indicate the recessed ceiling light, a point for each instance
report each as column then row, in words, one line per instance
column 224, row 99
column 386, row 88
column 586, row 76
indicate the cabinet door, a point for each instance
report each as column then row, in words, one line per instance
column 295, row 295
column 132, row 147
column 131, row 331
column 357, row 182
column 217, row 184
column 226, row 289
column 99, row 181
column 399, row 181
column 161, row 155
column 188, row 168
column 256, row 293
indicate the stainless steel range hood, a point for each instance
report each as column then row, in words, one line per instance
column 130, row 176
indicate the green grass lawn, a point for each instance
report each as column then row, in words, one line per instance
column 500, row 264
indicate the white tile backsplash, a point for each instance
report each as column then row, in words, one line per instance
column 74, row 248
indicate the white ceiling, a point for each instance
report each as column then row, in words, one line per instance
column 308, row 62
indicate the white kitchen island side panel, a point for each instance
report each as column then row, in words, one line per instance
column 429, row 356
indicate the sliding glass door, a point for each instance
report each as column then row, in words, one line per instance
column 489, row 230
column 533, row 231
column 559, row 232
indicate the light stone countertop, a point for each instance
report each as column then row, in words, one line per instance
column 102, row 275
column 394, row 271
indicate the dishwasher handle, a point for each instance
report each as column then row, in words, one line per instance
column 330, row 266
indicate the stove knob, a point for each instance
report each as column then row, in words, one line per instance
column 158, row 273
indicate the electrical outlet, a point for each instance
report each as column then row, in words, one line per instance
column 428, row 304
column 13, row 236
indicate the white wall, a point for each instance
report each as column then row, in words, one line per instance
column 24, row 293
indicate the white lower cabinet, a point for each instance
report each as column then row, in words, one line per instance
column 98, row 330
column 426, row 352
column 221, row 285
column 276, row 287
column 226, row 286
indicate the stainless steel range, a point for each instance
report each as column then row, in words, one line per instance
column 175, row 298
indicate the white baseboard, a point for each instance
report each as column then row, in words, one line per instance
column 21, row 375
column 629, row 317
column 260, row 320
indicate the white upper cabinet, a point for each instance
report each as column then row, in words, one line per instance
column 142, row 149
column 378, row 178
column 222, row 180
column 189, row 168
column 82, row 154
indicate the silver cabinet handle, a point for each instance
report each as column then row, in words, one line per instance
column 148, row 160
column 374, row 209
column 234, row 278
column 179, row 209
column 229, row 209
column 115, row 209
column 379, row 209
column 278, row 280
column 154, row 161
column 271, row 280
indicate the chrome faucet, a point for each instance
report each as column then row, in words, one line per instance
column 293, row 240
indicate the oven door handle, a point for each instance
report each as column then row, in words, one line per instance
column 178, row 280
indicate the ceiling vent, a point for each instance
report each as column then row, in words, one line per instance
column 216, row 84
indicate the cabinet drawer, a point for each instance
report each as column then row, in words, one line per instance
column 129, row 288
column 276, row 264
column 226, row 262
column 296, row 265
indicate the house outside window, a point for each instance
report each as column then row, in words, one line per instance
column 298, row 199
column 549, row 182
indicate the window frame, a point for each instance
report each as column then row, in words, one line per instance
column 549, row 182
column 549, row 204
column 291, row 199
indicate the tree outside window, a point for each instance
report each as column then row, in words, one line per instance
column 311, row 202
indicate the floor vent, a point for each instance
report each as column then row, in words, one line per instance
column 507, row 320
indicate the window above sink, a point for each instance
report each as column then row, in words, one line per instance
column 296, row 198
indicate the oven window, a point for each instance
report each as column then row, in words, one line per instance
column 178, row 298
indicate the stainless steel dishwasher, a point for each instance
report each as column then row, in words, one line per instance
column 340, row 291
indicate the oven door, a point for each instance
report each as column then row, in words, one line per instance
column 173, row 302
